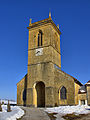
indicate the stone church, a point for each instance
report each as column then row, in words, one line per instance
column 45, row 84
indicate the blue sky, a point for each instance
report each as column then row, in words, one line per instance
column 73, row 16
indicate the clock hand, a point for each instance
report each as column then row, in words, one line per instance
column 38, row 51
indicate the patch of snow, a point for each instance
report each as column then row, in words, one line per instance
column 63, row 110
column 82, row 90
column 88, row 83
column 16, row 113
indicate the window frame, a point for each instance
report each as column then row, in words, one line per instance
column 63, row 93
column 40, row 42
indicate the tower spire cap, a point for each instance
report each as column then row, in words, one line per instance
column 58, row 26
column 50, row 14
column 30, row 22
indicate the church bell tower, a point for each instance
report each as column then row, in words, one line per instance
column 43, row 54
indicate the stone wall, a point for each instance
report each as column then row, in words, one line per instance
column 41, row 67
column 21, row 91
column 77, row 87
column 88, row 94
column 54, row 79
column 51, row 52
column 41, row 73
column 61, row 79
column 82, row 96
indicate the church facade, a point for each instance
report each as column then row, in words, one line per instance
column 45, row 84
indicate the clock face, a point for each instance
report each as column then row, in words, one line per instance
column 39, row 51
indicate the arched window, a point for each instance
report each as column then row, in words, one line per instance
column 63, row 93
column 40, row 38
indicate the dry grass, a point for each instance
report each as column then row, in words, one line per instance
column 73, row 116
column 20, row 118
column 51, row 116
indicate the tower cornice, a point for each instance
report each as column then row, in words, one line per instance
column 43, row 22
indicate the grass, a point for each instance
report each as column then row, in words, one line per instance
column 73, row 116
column 68, row 116
column 51, row 116
column 19, row 118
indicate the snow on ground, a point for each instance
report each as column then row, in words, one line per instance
column 79, row 109
column 16, row 112
column 63, row 110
